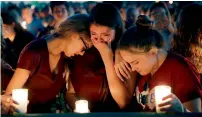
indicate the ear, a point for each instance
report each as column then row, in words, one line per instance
column 13, row 25
column 153, row 51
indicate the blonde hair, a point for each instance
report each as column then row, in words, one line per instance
column 76, row 24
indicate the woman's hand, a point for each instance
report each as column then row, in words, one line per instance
column 6, row 102
column 101, row 46
column 122, row 68
column 8, row 106
column 171, row 104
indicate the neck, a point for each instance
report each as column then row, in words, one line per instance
column 162, row 54
column 12, row 36
column 57, row 23
column 54, row 45
column 29, row 20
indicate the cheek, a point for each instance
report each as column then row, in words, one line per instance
column 56, row 16
column 93, row 37
column 106, row 39
column 6, row 31
column 65, row 14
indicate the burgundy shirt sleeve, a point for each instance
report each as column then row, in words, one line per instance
column 29, row 59
column 187, row 86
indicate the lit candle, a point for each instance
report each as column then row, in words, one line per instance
column 21, row 97
column 171, row 1
column 81, row 106
column 160, row 93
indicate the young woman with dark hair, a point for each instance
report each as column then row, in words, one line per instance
column 97, row 80
column 142, row 47
column 16, row 38
column 106, row 29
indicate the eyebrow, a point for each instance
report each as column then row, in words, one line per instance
column 133, row 61
column 101, row 33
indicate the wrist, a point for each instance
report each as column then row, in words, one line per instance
column 106, row 52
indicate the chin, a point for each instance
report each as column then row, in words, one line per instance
column 143, row 73
column 67, row 55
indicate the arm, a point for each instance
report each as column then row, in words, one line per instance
column 122, row 68
column 18, row 80
column 71, row 96
column 122, row 92
column 173, row 104
column 193, row 105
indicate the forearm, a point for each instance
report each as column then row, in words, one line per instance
column 117, row 88
column 193, row 105
column 71, row 99
column 18, row 80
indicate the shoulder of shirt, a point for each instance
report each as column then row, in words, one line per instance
column 26, row 34
column 36, row 46
column 177, row 60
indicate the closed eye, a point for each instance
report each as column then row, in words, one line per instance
column 135, row 62
column 106, row 35
column 92, row 33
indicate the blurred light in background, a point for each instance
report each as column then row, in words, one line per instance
column 170, row 1
column 24, row 24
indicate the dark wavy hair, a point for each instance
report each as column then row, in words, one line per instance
column 189, row 25
column 108, row 15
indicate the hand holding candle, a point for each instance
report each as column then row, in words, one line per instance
column 161, row 92
column 21, row 97
column 167, row 101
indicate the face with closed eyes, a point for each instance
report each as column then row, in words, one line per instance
column 76, row 45
column 102, row 33
column 143, row 62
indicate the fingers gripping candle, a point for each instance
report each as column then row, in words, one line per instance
column 21, row 97
column 160, row 93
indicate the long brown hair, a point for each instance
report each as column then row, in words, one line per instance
column 189, row 28
column 78, row 24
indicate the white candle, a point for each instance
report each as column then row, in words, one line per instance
column 160, row 93
column 21, row 97
column 81, row 106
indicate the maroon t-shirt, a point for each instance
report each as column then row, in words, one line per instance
column 176, row 72
column 42, row 87
column 89, row 80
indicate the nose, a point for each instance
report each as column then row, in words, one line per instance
column 60, row 14
column 135, row 68
column 98, row 38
